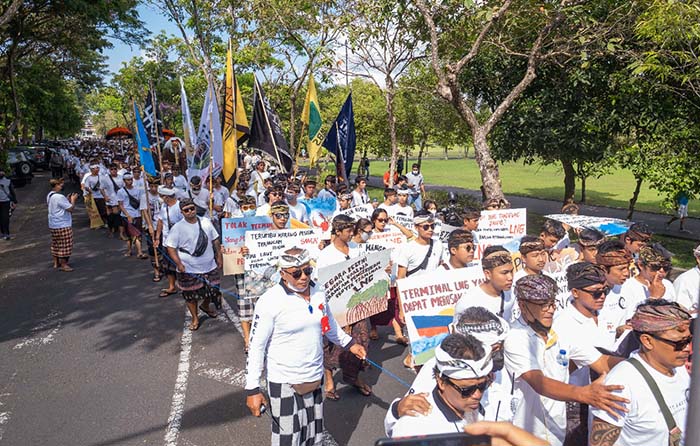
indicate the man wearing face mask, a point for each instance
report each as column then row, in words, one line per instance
column 538, row 361
column 491, row 330
column 414, row 180
column 296, row 210
column 291, row 319
column 8, row 202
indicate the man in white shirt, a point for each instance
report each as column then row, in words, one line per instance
column 329, row 188
column 615, row 260
column 256, row 184
column 588, row 242
column 179, row 180
column 139, row 182
column 637, row 236
column 61, row 224
column 194, row 245
column 533, row 256
column 460, row 246
column 296, row 210
column 494, row 294
column 199, row 195
column 359, row 195
column 552, row 231
column 168, row 214
column 389, row 203
column 538, row 361
column 462, row 372
column 687, row 285
column 290, row 321
column 92, row 184
column 111, row 187
column 402, row 207
column 414, row 179
column 309, row 190
column 133, row 207
column 663, row 331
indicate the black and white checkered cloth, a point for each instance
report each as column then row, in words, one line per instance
column 246, row 305
column 298, row 420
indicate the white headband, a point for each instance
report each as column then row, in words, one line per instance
column 162, row 190
column 94, row 166
column 127, row 176
column 419, row 219
column 293, row 260
column 489, row 333
column 463, row 368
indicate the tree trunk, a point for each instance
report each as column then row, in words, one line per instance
column 583, row 189
column 490, row 178
column 569, row 180
column 12, row 128
column 421, row 149
column 444, row 148
column 635, row 196
column 292, row 125
column 389, row 97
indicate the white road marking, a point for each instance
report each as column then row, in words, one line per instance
column 226, row 375
column 328, row 440
column 177, row 406
column 37, row 338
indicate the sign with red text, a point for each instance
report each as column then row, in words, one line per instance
column 264, row 249
column 503, row 227
column 357, row 288
column 428, row 302
column 233, row 238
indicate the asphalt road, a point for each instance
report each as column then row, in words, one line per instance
column 94, row 357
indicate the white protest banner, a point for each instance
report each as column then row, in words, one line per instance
column 357, row 288
column 428, row 301
column 556, row 269
column 606, row 225
column 264, row 249
column 403, row 220
column 358, row 212
column 443, row 231
column 320, row 211
column 390, row 238
column 500, row 227
column 233, row 238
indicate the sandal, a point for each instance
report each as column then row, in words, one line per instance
column 408, row 361
column 141, row 256
column 364, row 389
column 156, row 278
column 193, row 326
column 211, row 314
column 332, row 395
column 165, row 292
column 66, row 269
column 127, row 254
column 402, row 340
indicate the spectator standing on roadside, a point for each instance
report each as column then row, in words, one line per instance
column 681, row 211
column 61, row 224
column 8, row 202
column 415, row 184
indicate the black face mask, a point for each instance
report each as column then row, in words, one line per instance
column 498, row 359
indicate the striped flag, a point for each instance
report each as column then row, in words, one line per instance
column 234, row 118
column 311, row 117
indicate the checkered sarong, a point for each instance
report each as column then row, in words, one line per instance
column 298, row 420
column 61, row 242
column 246, row 304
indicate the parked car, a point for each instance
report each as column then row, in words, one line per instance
column 20, row 167
column 38, row 155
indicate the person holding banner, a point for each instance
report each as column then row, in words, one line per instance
column 134, row 210
column 93, row 185
column 494, row 294
column 588, row 242
column 533, row 256
column 291, row 319
column 168, row 215
column 460, row 245
column 194, row 246
column 538, row 359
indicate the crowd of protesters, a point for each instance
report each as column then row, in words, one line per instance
column 610, row 368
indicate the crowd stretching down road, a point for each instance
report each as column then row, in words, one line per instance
column 596, row 354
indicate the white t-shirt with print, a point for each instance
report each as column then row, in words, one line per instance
column 643, row 423
column 687, row 287
column 169, row 215
column 477, row 297
column 185, row 235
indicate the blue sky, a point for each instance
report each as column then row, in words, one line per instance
column 154, row 21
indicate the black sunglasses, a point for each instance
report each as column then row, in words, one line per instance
column 382, row 220
column 188, row 209
column 469, row 248
column 466, row 392
column 297, row 273
column 597, row 294
column 427, row 226
column 677, row 345
column 281, row 215
column 666, row 266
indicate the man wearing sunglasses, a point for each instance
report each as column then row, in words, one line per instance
column 538, row 361
column 654, row 265
column 462, row 371
column 460, row 244
column 663, row 331
column 290, row 321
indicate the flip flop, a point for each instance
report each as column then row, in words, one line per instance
column 332, row 395
column 193, row 326
column 365, row 389
column 127, row 254
column 142, row 256
column 402, row 340
column 156, row 279
column 66, row 269
column 211, row 314
column 166, row 293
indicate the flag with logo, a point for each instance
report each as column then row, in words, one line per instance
column 311, row 117
column 235, row 124
column 145, row 154
column 209, row 148
column 187, row 125
column 266, row 131
column 152, row 120
column 340, row 140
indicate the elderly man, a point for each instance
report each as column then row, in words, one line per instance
column 538, row 361
column 655, row 381
column 687, row 285
column 290, row 321
column 195, row 247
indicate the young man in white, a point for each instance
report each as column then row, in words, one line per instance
column 654, row 264
column 134, row 211
column 390, row 200
column 257, row 178
column 359, row 195
column 460, row 246
column 111, row 187
column 687, row 285
column 94, row 184
column 663, row 331
column 402, row 207
column 414, row 179
column 533, row 256
column 615, row 260
column 296, row 210
column 168, row 215
column 538, row 361
column 494, row 294
column 588, row 242
column 328, row 190
column 199, row 195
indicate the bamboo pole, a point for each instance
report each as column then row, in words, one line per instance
column 155, row 122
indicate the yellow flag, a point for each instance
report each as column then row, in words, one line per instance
column 311, row 117
column 234, row 118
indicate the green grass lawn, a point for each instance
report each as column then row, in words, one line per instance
column 539, row 181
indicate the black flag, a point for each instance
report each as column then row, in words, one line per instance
column 152, row 122
column 266, row 131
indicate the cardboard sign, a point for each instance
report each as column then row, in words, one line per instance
column 264, row 250
column 606, row 225
column 357, row 288
column 556, row 269
column 320, row 211
column 233, row 238
column 357, row 212
column 500, row 227
column 428, row 302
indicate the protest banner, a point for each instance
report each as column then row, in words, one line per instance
column 390, row 238
column 606, row 225
column 403, row 220
column 358, row 212
column 233, row 238
column 443, row 231
column 320, row 211
column 500, row 227
column 428, row 302
column 264, row 249
column 357, row 288
column 556, row 269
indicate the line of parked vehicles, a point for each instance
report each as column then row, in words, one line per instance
column 24, row 160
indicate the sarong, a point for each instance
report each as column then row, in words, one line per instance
column 298, row 419
column 199, row 286
column 62, row 242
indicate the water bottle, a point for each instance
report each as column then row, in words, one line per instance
column 562, row 358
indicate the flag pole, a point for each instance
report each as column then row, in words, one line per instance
column 211, row 161
column 269, row 128
column 155, row 119
column 296, row 158
column 234, row 99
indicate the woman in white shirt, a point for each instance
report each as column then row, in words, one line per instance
column 61, row 224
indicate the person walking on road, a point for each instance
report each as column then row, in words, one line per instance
column 8, row 202
column 681, row 211
column 61, row 224
column 195, row 247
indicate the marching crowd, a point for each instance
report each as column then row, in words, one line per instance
column 609, row 367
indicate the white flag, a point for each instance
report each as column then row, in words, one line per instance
column 187, row 125
column 209, row 126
